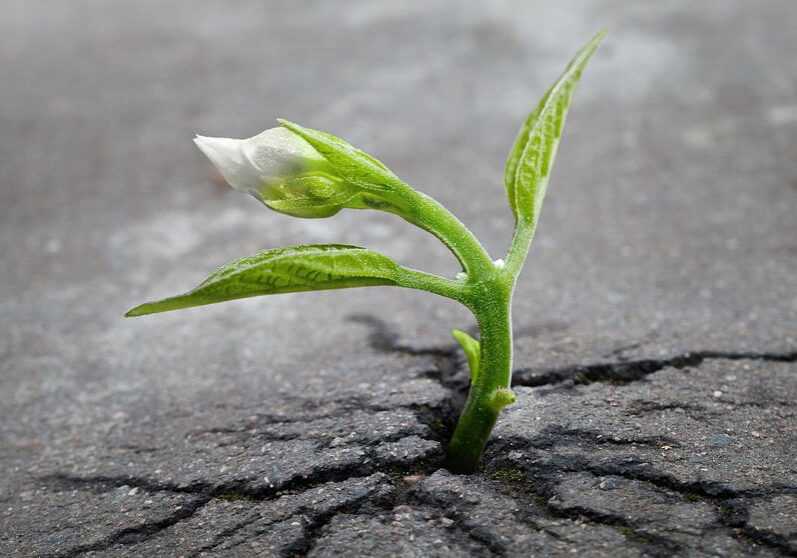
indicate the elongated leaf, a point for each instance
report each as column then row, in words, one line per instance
column 472, row 351
column 532, row 155
column 285, row 270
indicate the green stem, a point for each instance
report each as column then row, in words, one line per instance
column 433, row 217
column 491, row 304
column 519, row 249
column 414, row 279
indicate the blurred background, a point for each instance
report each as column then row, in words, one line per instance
column 669, row 226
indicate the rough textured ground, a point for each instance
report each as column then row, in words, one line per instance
column 656, row 324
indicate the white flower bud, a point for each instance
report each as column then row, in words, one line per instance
column 261, row 164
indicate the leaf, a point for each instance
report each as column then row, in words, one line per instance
column 532, row 155
column 472, row 351
column 285, row 270
column 349, row 162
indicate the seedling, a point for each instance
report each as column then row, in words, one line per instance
column 311, row 174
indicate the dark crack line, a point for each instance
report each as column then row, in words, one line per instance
column 628, row 470
column 786, row 545
column 343, row 406
column 312, row 530
column 535, row 495
column 535, row 502
column 209, row 490
column 662, row 545
column 481, row 537
column 720, row 497
column 382, row 338
column 226, row 534
column 139, row 533
column 711, row 491
column 326, row 441
column 553, row 435
column 106, row 483
column 206, row 492
column 317, row 521
column 449, row 359
column 625, row 372
column 737, row 518
column 450, row 363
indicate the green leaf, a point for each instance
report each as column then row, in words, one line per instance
column 378, row 187
column 532, row 155
column 349, row 162
column 472, row 351
column 285, row 270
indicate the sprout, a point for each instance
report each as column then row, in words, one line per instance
column 307, row 173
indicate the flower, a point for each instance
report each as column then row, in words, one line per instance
column 283, row 171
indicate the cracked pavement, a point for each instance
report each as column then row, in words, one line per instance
column 655, row 324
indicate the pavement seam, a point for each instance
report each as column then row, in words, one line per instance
column 449, row 365
column 623, row 372
column 139, row 533
column 381, row 337
column 727, row 503
column 206, row 492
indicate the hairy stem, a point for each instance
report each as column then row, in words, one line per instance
column 414, row 279
column 491, row 302
column 433, row 217
column 521, row 242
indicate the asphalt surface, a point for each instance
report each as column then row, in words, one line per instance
column 656, row 319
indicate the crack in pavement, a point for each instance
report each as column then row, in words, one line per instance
column 633, row 471
column 732, row 523
column 539, row 492
column 133, row 535
column 450, row 373
column 625, row 372
column 729, row 504
column 206, row 492
column 313, row 519
column 382, row 337
column 619, row 372
column 449, row 359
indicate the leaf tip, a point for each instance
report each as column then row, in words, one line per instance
column 593, row 43
column 142, row 310
column 292, row 126
column 133, row 312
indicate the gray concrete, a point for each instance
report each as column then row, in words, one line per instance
column 656, row 321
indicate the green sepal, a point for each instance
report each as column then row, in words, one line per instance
column 472, row 350
column 532, row 155
column 353, row 165
column 349, row 162
column 285, row 270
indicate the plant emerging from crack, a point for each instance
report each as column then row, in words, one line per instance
column 307, row 173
